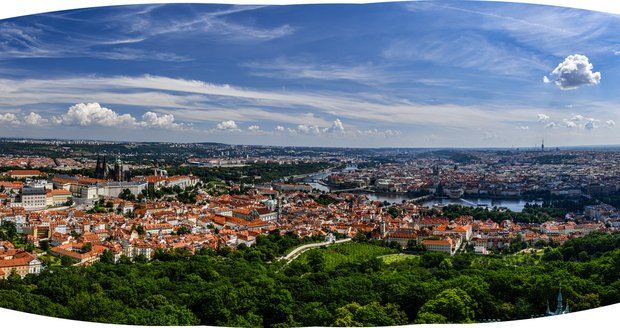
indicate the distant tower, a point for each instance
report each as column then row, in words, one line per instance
column 104, row 169
column 100, row 168
column 279, row 208
column 383, row 229
column 542, row 145
column 118, row 170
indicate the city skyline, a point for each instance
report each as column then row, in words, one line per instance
column 381, row 75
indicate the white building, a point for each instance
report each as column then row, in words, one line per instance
column 33, row 199
column 114, row 189
column 89, row 192
column 447, row 245
column 181, row 181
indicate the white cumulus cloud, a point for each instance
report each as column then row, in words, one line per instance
column 336, row 127
column 378, row 133
column 309, row 129
column 35, row 119
column 254, row 128
column 570, row 124
column 164, row 121
column 582, row 122
column 575, row 71
column 590, row 124
column 92, row 114
column 227, row 126
column 9, row 119
column 543, row 118
column 610, row 123
column 551, row 125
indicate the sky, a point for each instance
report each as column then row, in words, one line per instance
column 407, row 74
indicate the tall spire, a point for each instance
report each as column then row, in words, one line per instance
column 279, row 204
column 560, row 307
column 383, row 230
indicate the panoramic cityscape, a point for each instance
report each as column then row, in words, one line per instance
column 313, row 165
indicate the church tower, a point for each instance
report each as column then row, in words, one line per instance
column 279, row 205
column 560, row 308
column 100, row 168
column 383, row 229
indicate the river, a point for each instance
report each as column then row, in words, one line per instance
column 321, row 176
column 515, row 205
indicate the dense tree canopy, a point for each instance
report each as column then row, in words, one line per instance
column 344, row 285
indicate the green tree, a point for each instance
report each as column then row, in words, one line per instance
column 426, row 317
column 316, row 261
column 87, row 247
column 454, row 304
column 66, row 261
column 107, row 257
column 372, row 314
column 345, row 316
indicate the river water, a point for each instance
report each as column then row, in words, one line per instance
column 515, row 205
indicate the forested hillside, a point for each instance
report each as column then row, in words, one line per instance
column 345, row 285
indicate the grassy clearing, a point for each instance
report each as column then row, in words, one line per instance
column 50, row 260
column 392, row 258
column 524, row 259
column 515, row 260
column 346, row 253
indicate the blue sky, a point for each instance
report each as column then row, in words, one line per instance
column 419, row 74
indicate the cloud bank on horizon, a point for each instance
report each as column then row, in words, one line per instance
column 419, row 74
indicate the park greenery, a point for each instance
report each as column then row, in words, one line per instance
column 531, row 213
column 355, row 284
column 251, row 173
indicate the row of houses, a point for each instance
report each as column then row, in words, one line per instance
column 18, row 261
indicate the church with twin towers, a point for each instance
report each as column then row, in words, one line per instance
column 116, row 171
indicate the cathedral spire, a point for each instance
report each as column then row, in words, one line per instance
column 560, row 308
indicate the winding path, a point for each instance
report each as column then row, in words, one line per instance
column 301, row 249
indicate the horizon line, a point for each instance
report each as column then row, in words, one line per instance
column 524, row 148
